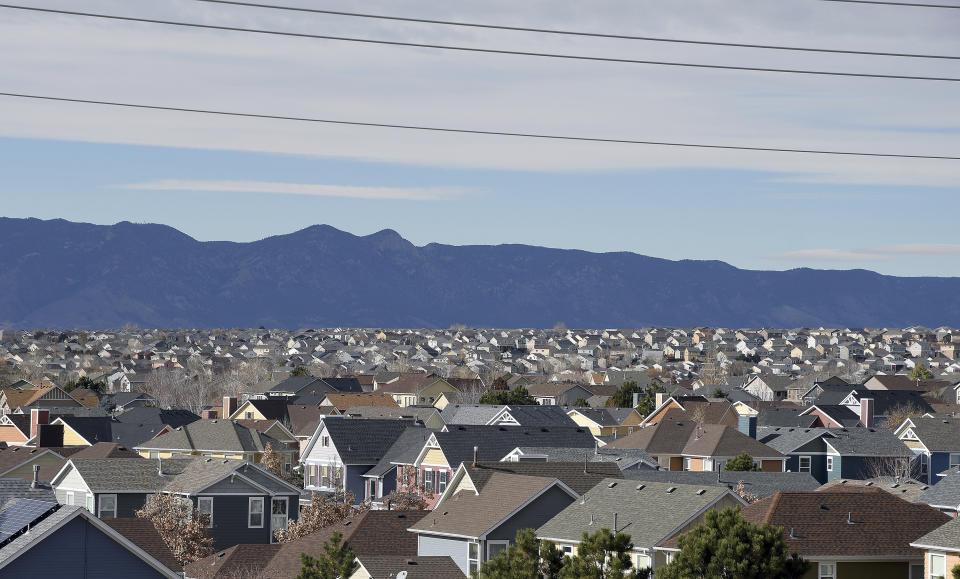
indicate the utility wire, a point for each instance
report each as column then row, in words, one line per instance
column 472, row 131
column 485, row 50
column 904, row 4
column 575, row 32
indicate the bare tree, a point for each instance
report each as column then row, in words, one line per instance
column 901, row 412
column 411, row 494
column 322, row 512
column 744, row 494
column 272, row 461
column 896, row 469
column 182, row 528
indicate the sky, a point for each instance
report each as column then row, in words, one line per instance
column 223, row 178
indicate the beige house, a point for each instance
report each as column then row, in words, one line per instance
column 941, row 548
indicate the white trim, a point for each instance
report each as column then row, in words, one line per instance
column 100, row 504
column 107, row 530
column 833, row 570
column 250, row 501
column 506, row 545
column 210, row 498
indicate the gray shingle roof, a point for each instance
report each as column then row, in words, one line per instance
column 944, row 494
column 495, row 442
column 363, row 441
column 645, row 510
column 403, row 451
column 946, row 537
column 762, row 484
column 15, row 488
column 213, row 435
column 623, row 457
column 607, row 416
column 938, row 434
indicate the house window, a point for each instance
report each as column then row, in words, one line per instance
column 642, row 561
column 938, row 566
column 924, row 464
column 69, row 498
column 108, row 506
column 494, row 548
column 255, row 513
column 325, row 441
column 829, row 464
column 248, row 415
column 686, row 464
column 954, row 460
column 473, row 557
column 827, row 571
column 804, row 464
column 205, row 506
column 567, row 550
column 324, row 476
column 428, row 481
column 442, row 476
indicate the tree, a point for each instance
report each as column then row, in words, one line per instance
column 602, row 555
column 920, row 372
column 580, row 402
column 718, row 392
column 182, row 528
column 500, row 383
column 623, row 397
column 322, row 512
column 338, row 561
column 955, row 572
column 272, row 461
column 727, row 546
column 410, row 495
column 85, row 382
column 300, row 371
column 901, row 412
column 741, row 462
column 517, row 397
column 527, row 558
column 744, row 494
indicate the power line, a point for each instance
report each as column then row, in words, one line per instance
column 473, row 131
column 484, row 50
column 904, row 4
column 575, row 32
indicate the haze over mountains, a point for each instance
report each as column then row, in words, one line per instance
column 63, row 274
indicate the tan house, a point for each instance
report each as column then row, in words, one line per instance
column 214, row 439
column 607, row 421
column 416, row 389
column 941, row 550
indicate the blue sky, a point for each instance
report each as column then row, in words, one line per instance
column 233, row 179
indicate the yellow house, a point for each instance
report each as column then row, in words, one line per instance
column 607, row 421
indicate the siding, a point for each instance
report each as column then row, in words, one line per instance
column 71, row 438
column 456, row 549
column 534, row 515
column 435, row 457
column 82, row 552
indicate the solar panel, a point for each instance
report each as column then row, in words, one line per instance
column 22, row 513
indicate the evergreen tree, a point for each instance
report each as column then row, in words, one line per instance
column 517, row 397
column 300, row 371
column 920, row 372
column 527, row 558
column 727, row 546
column 601, row 555
column 338, row 561
column 741, row 462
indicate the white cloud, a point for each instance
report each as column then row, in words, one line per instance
column 353, row 192
column 869, row 254
column 243, row 72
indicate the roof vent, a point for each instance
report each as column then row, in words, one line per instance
column 701, row 491
column 214, row 421
column 823, row 507
column 868, row 483
column 611, row 485
column 671, row 489
column 641, row 487
column 849, row 520
column 591, row 518
column 792, row 536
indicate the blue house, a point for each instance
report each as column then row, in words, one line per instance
column 342, row 450
column 44, row 539
column 936, row 443
column 835, row 453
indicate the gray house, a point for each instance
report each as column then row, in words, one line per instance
column 481, row 511
column 246, row 503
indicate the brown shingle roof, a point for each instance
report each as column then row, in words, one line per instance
column 98, row 450
column 684, row 437
column 472, row 515
column 237, row 561
column 571, row 474
column 344, row 400
column 143, row 534
column 409, row 384
column 883, row 525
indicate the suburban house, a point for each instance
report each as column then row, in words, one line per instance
column 530, row 415
column 245, row 502
column 936, row 443
column 480, row 512
column 262, row 409
column 18, row 461
column 312, row 386
column 426, row 415
column 304, row 421
column 387, row 475
column 443, row 451
column 944, row 496
column 700, row 447
column 770, row 387
column 757, row 483
column 850, row 532
column 342, row 450
column 558, row 393
column 344, row 400
column 49, row 396
column 42, row 539
column 941, row 548
column 214, row 439
column 651, row 512
column 414, row 389
column 840, row 453
column 607, row 421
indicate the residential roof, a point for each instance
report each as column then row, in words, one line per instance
column 687, row 438
column 882, row 525
column 572, row 474
column 14, row 488
column 98, row 450
column 470, row 413
column 271, row 409
column 304, row 419
column 404, row 450
column 945, row 537
column 363, row 441
column 216, row 435
column 473, row 515
column 551, row 388
column 907, row 489
column 152, row 415
column 389, row 566
column 247, row 560
column 344, row 400
column 938, row 434
column 945, row 494
column 13, row 456
column 421, row 413
column 649, row 511
column 623, row 457
column 606, row 416
column 294, row 384
column 761, row 484
column 143, row 534
column 495, row 442
column 409, row 383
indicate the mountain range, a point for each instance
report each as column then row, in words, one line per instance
column 61, row 274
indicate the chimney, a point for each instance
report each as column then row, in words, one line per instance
column 636, row 399
column 208, row 414
column 36, row 476
column 866, row 412
column 229, row 406
column 660, row 398
column 38, row 416
column 747, row 425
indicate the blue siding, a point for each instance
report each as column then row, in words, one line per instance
column 355, row 481
column 939, row 462
column 231, row 519
column 78, row 550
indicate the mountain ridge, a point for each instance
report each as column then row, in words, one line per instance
column 64, row 274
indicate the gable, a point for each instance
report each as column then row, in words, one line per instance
column 248, row 407
column 69, row 478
